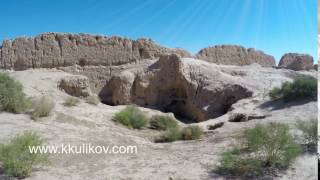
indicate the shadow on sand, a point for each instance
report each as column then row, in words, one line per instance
column 280, row 104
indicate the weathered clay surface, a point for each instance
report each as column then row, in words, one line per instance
column 192, row 89
column 235, row 55
column 75, row 85
column 297, row 62
column 99, row 75
column 58, row 50
column 86, row 123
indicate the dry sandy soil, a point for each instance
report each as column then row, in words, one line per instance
column 86, row 123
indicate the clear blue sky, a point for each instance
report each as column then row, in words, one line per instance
column 274, row 26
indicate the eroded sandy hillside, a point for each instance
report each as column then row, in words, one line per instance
column 86, row 123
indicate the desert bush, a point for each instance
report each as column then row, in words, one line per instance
column 186, row 133
column 172, row 134
column 132, row 117
column 302, row 87
column 93, row 99
column 191, row 133
column 71, row 101
column 275, row 93
column 162, row 122
column 274, row 143
column 232, row 162
column 309, row 131
column 265, row 146
column 12, row 97
column 42, row 107
column 16, row 157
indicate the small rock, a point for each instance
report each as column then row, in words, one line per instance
column 76, row 85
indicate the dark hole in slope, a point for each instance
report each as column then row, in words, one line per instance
column 82, row 62
column 105, row 96
column 140, row 52
column 179, row 109
column 175, row 100
column 226, row 106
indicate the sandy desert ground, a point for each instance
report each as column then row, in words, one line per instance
column 86, row 123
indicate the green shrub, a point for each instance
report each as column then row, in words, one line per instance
column 132, row 117
column 175, row 134
column 162, row 122
column 275, row 93
column 191, row 133
column 42, row 107
column 232, row 162
column 302, row 87
column 93, row 99
column 266, row 146
column 172, row 134
column 274, row 143
column 71, row 101
column 12, row 97
column 16, row 157
column 309, row 131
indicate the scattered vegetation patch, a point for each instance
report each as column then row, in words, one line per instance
column 302, row 87
column 232, row 162
column 265, row 146
column 16, row 157
column 93, row 99
column 71, row 101
column 275, row 93
column 162, row 122
column 191, row 133
column 309, row 130
column 173, row 134
column 274, row 143
column 186, row 133
column 12, row 97
column 42, row 107
column 132, row 117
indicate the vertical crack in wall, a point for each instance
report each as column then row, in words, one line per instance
column 34, row 54
column 60, row 49
column 1, row 59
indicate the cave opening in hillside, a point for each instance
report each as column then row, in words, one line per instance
column 175, row 100
column 82, row 62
